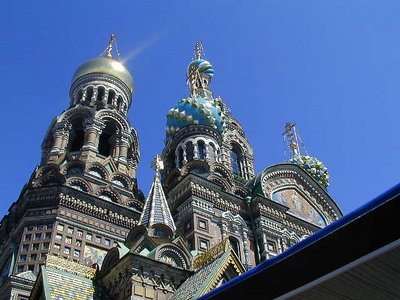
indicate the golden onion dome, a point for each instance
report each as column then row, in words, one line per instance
column 105, row 65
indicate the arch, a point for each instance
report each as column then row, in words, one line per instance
column 89, row 94
column 98, row 171
column 119, row 103
column 235, row 245
column 100, row 93
column 107, row 141
column 79, row 97
column 197, row 167
column 110, row 98
column 201, row 146
column 135, row 234
column 109, row 195
column 120, row 180
column 108, row 115
column 79, row 184
column 213, row 153
column 180, row 157
column 172, row 254
column 220, row 181
column 236, row 156
column 73, row 168
column 189, row 151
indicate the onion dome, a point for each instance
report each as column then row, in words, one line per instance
column 105, row 65
column 195, row 111
column 202, row 66
column 313, row 167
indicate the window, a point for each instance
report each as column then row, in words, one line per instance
column 180, row 157
column 57, row 247
column 70, row 230
column 98, row 239
column 203, row 244
column 79, row 233
column 41, row 227
column 43, row 255
column 67, row 250
column 78, row 243
column 20, row 269
column 33, row 256
column 271, row 246
column 68, row 240
column 202, row 224
column 202, row 149
column 50, row 226
column 77, row 253
column 189, row 151
column 107, row 242
column 31, row 268
column 29, row 228
column 25, row 247
column 235, row 245
column 35, row 247
column 28, row 237
column 236, row 162
column 88, row 236
column 22, row 257
column 60, row 227
column 38, row 236
column 47, row 236
column 58, row 237
column 45, row 246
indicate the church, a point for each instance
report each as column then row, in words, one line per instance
column 82, row 228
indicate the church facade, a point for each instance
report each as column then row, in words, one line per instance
column 82, row 229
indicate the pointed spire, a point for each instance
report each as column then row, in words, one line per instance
column 198, row 50
column 156, row 210
column 112, row 44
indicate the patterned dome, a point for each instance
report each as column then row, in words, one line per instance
column 203, row 66
column 196, row 111
column 314, row 167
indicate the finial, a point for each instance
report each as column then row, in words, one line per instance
column 198, row 49
column 157, row 164
column 110, row 46
column 291, row 135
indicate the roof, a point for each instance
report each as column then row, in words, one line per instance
column 356, row 257
column 210, row 273
column 156, row 210
column 61, row 279
column 29, row 275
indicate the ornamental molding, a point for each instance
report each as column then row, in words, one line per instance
column 277, row 180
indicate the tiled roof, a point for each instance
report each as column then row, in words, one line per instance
column 210, row 274
column 156, row 210
column 27, row 275
column 62, row 285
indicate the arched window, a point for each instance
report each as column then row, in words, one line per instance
column 100, row 93
column 180, row 157
column 235, row 246
column 213, row 153
column 76, row 136
column 189, row 151
column 202, row 149
column 111, row 96
column 106, row 142
column 79, row 96
column 236, row 161
column 119, row 103
column 89, row 94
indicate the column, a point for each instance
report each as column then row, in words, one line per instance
column 93, row 128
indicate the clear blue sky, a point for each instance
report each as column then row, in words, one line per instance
column 333, row 67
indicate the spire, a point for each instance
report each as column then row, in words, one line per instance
column 198, row 50
column 156, row 210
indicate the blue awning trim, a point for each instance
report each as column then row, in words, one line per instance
column 345, row 220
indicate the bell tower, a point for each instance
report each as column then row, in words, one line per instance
column 83, row 197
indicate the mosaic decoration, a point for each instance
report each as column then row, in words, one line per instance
column 314, row 167
column 69, row 266
column 299, row 206
column 93, row 255
column 197, row 111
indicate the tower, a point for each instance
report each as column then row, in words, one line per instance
column 83, row 197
